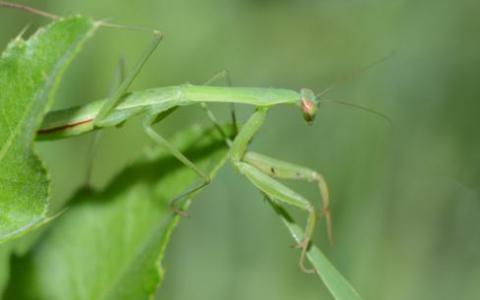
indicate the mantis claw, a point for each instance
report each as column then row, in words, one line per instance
column 304, row 245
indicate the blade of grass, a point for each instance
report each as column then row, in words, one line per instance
column 338, row 285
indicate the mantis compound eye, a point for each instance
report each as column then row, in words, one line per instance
column 308, row 105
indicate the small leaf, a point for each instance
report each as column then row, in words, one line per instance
column 338, row 285
column 110, row 244
column 30, row 72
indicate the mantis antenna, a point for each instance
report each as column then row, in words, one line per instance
column 28, row 9
column 56, row 17
column 354, row 73
column 360, row 107
column 349, row 76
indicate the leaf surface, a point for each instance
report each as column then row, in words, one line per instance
column 30, row 72
column 110, row 244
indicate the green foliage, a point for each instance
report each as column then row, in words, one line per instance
column 110, row 244
column 30, row 73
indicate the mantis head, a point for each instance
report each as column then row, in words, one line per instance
column 308, row 105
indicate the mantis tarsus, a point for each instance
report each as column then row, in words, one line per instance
column 156, row 104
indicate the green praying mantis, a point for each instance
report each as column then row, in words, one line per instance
column 158, row 103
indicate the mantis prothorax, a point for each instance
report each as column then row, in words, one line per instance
column 158, row 103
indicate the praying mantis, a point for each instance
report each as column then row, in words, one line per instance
column 158, row 103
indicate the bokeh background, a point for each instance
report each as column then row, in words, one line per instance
column 406, row 204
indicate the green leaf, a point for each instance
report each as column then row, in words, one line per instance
column 30, row 72
column 110, row 244
column 338, row 286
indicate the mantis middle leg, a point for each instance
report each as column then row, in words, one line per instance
column 161, row 141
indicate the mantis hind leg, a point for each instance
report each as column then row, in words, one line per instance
column 269, row 186
column 159, row 140
column 117, row 79
column 117, row 95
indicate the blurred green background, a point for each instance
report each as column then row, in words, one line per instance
column 406, row 205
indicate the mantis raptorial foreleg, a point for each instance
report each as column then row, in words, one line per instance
column 266, row 184
column 282, row 194
column 285, row 170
